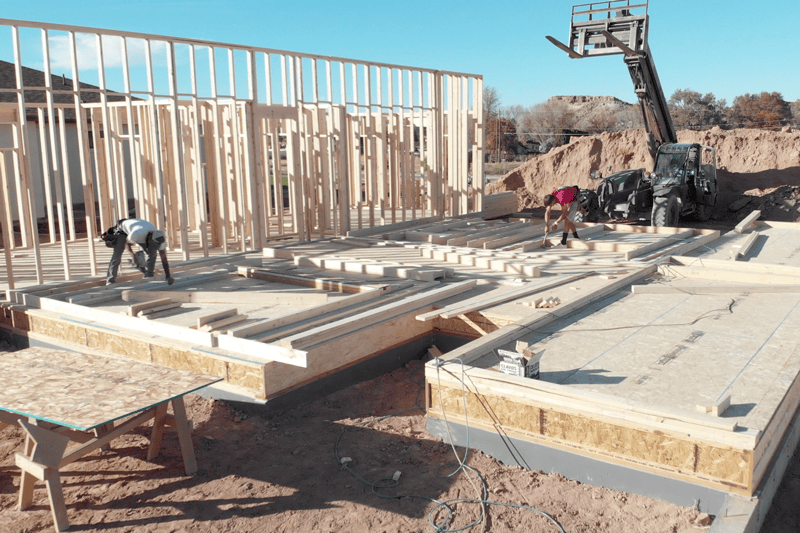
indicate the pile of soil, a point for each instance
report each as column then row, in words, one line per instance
column 750, row 163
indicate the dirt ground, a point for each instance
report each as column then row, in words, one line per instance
column 283, row 474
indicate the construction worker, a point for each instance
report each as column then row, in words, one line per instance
column 130, row 231
column 567, row 199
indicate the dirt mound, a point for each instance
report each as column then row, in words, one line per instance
column 748, row 159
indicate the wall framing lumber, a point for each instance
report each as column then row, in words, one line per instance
column 196, row 160
column 150, row 311
column 372, row 269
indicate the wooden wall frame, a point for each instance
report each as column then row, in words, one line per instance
column 201, row 136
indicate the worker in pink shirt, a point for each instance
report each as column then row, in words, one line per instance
column 567, row 199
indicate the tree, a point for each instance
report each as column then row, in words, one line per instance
column 545, row 121
column 795, row 107
column 691, row 110
column 491, row 104
column 765, row 110
column 501, row 137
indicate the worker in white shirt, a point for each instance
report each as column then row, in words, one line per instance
column 130, row 231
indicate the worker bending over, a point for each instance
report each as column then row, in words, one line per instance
column 130, row 231
column 567, row 199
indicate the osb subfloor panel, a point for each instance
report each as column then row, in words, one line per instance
column 678, row 351
column 84, row 391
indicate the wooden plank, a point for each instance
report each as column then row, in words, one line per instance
column 340, row 327
column 371, row 269
column 483, row 301
column 539, row 243
column 716, row 409
column 317, row 283
column 133, row 310
column 747, row 267
column 153, row 310
column 489, row 261
column 133, row 279
column 627, row 228
column 595, row 404
column 744, row 277
column 740, row 250
column 495, row 230
column 776, row 224
column 480, row 241
column 220, row 324
column 213, row 317
column 242, row 297
column 747, row 221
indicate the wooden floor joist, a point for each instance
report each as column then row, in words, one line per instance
column 407, row 305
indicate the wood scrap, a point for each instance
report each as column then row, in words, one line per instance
column 133, row 310
column 153, row 310
column 741, row 249
column 747, row 221
column 551, row 301
column 218, row 325
column 716, row 409
column 213, row 317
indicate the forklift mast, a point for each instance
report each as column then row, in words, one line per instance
column 620, row 27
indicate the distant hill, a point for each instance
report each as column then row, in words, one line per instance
column 590, row 109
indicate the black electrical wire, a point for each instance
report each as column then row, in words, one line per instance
column 441, row 526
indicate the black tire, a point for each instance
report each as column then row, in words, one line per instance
column 666, row 211
column 590, row 207
column 588, row 216
column 703, row 212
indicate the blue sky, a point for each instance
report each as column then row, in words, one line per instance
column 728, row 47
